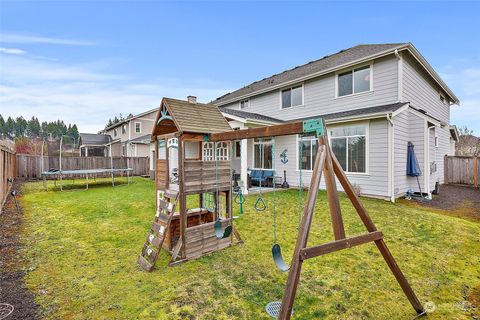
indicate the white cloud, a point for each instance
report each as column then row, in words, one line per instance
column 12, row 51
column 86, row 94
column 29, row 39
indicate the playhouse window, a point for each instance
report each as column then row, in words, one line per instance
column 262, row 153
column 208, row 151
column 222, row 151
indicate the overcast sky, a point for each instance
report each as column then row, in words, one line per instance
column 84, row 62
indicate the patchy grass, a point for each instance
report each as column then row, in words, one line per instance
column 82, row 249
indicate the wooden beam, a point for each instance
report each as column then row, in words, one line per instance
column 333, row 246
column 382, row 247
column 263, row 132
column 302, row 238
column 332, row 193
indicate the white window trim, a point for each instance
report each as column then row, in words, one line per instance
column 291, row 87
column 297, row 167
column 244, row 100
column 370, row 64
column 253, row 156
column 136, row 127
column 367, row 147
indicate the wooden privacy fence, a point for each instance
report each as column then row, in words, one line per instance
column 462, row 170
column 7, row 171
column 30, row 166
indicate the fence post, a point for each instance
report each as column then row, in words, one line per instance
column 475, row 175
column 445, row 167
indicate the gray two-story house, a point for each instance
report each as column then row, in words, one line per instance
column 131, row 137
column 375, row 99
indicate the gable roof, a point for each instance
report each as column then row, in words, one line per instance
column 142, row 139
column 250, row 115
column 342, row 59
column 192, row 117
column 129, row 119
column 94, row 139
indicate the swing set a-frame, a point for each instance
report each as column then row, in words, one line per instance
column 326, row 164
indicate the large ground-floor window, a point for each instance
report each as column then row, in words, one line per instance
column 307, row 149
column 349, row 145
column 262, row 153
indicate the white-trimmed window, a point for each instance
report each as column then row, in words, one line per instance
column 354, row 81
column 222, row 151
column 292, row 97
column 244, row 104
column 238, row 149
column 262, row 153
column 443, row 99
column 349, row 143
column 114, row 132
column 208, row 151
column 124, row 129
column 138, row 127
column 162, row 149
column 307, row 151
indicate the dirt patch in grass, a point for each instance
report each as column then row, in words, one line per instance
column 459, row 201
column 12, row 289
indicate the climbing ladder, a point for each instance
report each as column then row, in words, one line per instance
column 167, row 202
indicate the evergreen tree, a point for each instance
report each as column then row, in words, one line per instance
column 33, row 128
column 10, row 127
column 20, row 127
column 2, row 125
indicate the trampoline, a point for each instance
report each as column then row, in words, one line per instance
column 58, row 174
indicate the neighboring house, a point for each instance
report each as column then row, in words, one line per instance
column 131, row 137
column 374, row 98
column 94, row 145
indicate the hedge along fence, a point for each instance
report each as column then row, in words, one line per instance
column 7, row 172
column 462, row 170
column 30, row 166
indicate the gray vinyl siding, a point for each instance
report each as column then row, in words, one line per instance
column 417, row 137
column 319, row 95
column 401, row 137
column 443, row 149
column 422, row 92
column 374, row 183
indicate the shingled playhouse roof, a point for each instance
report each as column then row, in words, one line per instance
column 192, row 117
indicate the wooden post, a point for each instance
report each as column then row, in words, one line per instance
column 303, row 231
column 475, row 176
column 182, row 195
column 332, row 193
column 382, row 247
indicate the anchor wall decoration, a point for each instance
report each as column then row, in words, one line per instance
column 284, row 157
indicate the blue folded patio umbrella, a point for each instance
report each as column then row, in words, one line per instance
column 413, row 168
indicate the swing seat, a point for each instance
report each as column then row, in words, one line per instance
column 219, row 233
column 278, row 258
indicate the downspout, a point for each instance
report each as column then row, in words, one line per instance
column 391, row 162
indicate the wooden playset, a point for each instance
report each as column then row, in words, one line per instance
column 201, row 231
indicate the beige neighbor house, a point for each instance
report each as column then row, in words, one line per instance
column 131, row 137
column 375, row 99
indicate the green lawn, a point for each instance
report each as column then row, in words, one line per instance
column 82, row 249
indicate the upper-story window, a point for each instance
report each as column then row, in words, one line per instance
column 124, row 129
column 350, row 147
column 244, row 103
column 138, row 127
column 354, row 81
column 292, row 97
column 114, row 132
